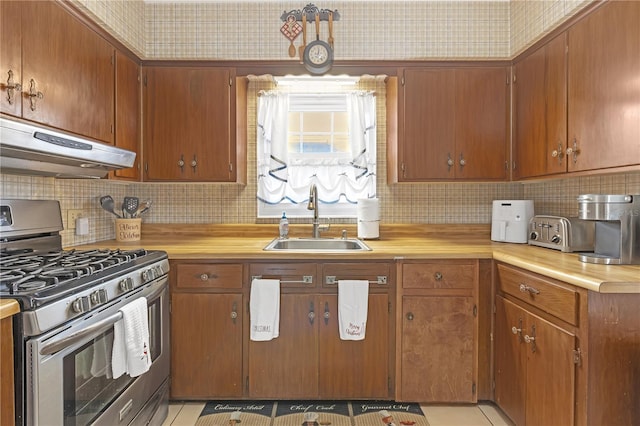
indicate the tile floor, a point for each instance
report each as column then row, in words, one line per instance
column 483, row 414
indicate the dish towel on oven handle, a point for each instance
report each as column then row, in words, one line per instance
column 353, row 305
column 264, row 309
column 131, row 340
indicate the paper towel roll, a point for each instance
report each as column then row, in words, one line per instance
column 368, row 212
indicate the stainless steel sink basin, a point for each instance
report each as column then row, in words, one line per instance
column 317, row 245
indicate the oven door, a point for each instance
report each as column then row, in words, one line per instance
column 69, row 379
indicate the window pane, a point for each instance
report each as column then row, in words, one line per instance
column 317, row 122
column 341, row 143
column 341, row 122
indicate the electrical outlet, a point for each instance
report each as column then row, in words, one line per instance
column 72, row 215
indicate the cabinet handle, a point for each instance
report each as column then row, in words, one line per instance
column 181, row 163
column 410, row 316
column 11, row 87
column 450, row 162
column 194, row 162
column 518, row 330
column 528, row 289
column 574, row 150
column 34, row 94
column 326, row 313
column 312, row 314
column 205, row 277
column 234, row 312
column 462, row 161
column 531, row 339
column 437, row 276
column 557, row 153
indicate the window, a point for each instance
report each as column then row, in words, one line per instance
column 330, row 140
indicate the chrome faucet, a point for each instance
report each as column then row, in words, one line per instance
column 313, row 205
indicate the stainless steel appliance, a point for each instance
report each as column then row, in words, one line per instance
column 617, row 228
column 38, row 150
column 568, row 234
column 509, row 220
column 70, row 301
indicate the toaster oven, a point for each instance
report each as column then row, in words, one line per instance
column 567, row 234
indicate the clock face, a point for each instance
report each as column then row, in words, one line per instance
column 318, row 54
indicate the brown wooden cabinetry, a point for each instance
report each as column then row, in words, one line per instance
column 535, row 354
column 451, row 124
column 313, row 362
column 438, row 331
column 603, row 95
column 66, row 69
column 128, row 112
column 540, row 111
column 206, row 330
column 190, row 124
column 7, row 409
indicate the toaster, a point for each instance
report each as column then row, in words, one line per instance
column 567, row 234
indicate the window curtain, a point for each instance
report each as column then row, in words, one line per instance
column 286, row 177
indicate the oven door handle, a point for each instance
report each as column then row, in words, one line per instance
column 57, row 345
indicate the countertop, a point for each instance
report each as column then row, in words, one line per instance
column 8, row 307
column 246, row 241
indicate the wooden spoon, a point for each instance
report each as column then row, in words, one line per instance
column 304, row 37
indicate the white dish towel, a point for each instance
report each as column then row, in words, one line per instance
column 353, row 305
column 264, row 309
column 131, row 340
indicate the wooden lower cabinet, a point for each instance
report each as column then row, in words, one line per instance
column 207, row 326
column 535, row 369
column 7, row 407
column 438, row 331
column 308, row 359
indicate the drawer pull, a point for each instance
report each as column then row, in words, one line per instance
column 327, row 314
column 528, row 289
column 518, row 330
column 410, row 316
column 206, row 277
column 234, row 312
column 438, row 276
column 306, row 279
column 312, row 314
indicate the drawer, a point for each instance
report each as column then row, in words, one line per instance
column 378, row 274
column 448, row 274
column 553, row 297
column 206, row 275
column 291, row 275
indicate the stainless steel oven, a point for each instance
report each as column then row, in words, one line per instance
column 63, row 336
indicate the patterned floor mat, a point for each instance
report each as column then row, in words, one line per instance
column 247, row 413
column 316, row 413
column 297, row 413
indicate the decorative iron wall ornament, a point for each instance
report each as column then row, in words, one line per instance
column 310, row 11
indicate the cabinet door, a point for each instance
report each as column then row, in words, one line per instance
column 428, row 119
column 354, row 368
column 540, row 111
column 287, row 366
column 510, row 360
column 438, row 349
column 550, row 373
column 128, row 112
column 72, row 67
column 188, row 130
column 603, row 95
column 10, row 57
column 480, row 123
column 206, row 345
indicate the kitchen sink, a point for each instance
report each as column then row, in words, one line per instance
column 317, row 245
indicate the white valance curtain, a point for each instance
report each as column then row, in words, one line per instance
column 284, row 176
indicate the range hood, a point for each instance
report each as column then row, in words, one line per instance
column 26, row 148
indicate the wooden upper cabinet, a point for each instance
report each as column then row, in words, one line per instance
column 604, row 90
column 189, row 119
column 10, row 57
column 128, row 109
column 452, row 124
column 71, row 66
column 540, row 111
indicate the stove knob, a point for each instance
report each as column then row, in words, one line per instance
column 81, row 304
column 533, row 236
column 556, row 239
column 99, row 296
column 126, row 284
